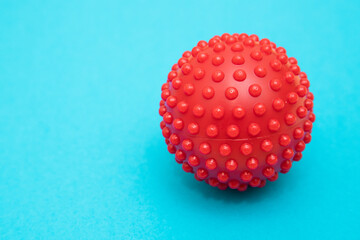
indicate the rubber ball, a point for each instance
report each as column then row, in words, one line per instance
column 236, row 111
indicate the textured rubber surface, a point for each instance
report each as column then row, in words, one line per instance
column 236, row 111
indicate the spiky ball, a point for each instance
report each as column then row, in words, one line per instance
column 236, row 111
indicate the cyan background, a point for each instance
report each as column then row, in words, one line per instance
column 81, row 151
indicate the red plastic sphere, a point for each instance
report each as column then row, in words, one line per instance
column 236, row 111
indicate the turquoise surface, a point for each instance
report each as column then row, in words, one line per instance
column 81, row 151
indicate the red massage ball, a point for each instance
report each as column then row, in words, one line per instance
column 236, row 111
